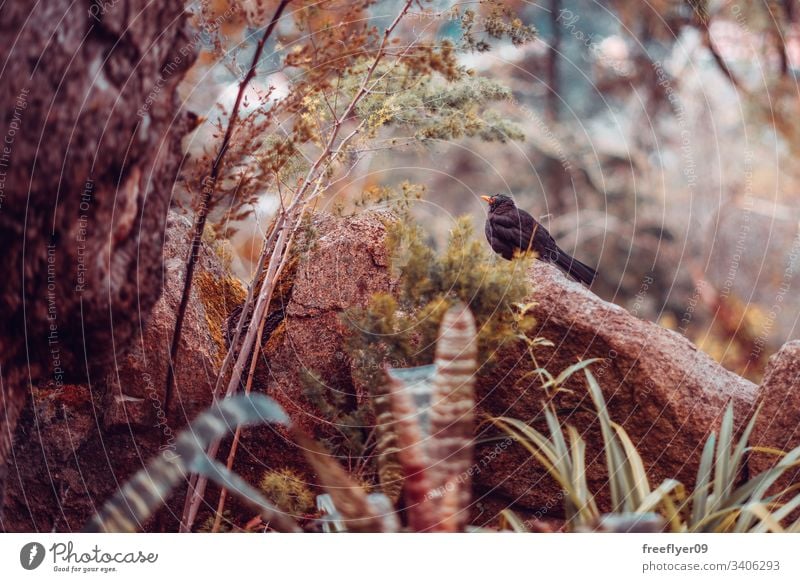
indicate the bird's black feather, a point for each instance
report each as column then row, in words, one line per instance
column 510, row 230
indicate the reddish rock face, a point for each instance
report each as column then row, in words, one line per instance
column 668, row 395
column 778, row 424
column 346, row 264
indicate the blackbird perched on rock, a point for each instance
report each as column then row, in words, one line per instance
column 511, row 231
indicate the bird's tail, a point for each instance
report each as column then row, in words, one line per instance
column 575, row 269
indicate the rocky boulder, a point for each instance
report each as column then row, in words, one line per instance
column 778, row 424
column 666, row 393
column 342, row 266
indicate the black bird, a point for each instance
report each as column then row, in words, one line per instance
column 510, row 231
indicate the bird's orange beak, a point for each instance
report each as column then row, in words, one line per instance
column 487, row 199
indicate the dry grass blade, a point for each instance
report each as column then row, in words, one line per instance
column 780, row 514
column 764, row 481
column 511, row 521
column 767, row 521
column 349, row 497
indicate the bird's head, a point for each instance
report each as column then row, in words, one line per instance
column 497, row 201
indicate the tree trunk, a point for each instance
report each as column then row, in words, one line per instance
column 91, row 132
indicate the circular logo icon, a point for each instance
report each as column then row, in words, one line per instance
column 31, row 555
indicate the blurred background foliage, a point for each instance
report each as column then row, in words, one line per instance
column 655, row 140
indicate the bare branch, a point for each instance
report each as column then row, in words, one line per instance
column 209, row 185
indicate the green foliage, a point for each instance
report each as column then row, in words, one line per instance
column 431, row 108
column 401, row 330
column 288, row 491
column 347, row 420
column 718, row 503
column 401, row 202
column 498, row 22
column 226, row 524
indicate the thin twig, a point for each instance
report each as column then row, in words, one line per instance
column 197, row 485
column 223, row 494
column 721, row 64
column 209, row 185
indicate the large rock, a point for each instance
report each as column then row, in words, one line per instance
column 75, row 444
column 346, row 264
column 778, row 424
column 666, row 393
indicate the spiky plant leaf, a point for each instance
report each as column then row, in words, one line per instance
column 413, row 456
column 566, row 374
column 703, row 482
column 452, row 408
column 142, row 495
column 722, row 473
column 348, row 496
column 638, row 484
column 562, row 463
column 615, row 459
